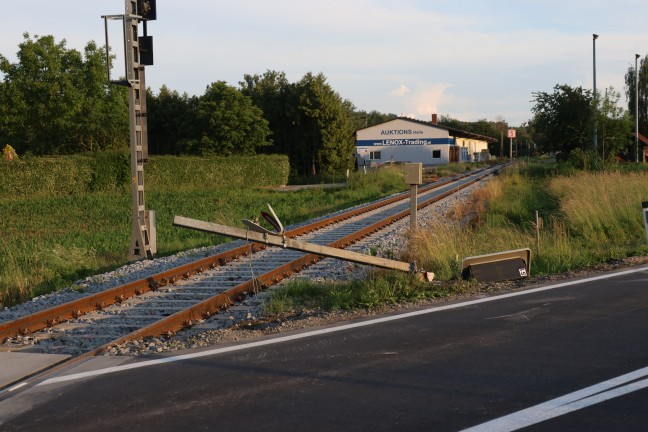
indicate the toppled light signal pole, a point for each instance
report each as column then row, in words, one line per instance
column 261, row 235
column 138, row 52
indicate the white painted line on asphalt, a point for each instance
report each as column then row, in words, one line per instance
column 560, row 406
column 328, row 330
column 16, row 387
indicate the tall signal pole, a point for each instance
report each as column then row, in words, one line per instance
column 138, row 52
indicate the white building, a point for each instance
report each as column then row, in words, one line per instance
column 409, row 140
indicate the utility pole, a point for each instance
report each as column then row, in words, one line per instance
column 138, row 52
column 594, row 37
column 637, row 109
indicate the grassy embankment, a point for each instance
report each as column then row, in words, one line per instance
column 50, row 241
column 587, row 218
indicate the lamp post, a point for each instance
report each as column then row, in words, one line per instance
column 636, row 109
column 594, row 37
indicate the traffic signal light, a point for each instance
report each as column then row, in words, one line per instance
column 146, row 50
column 146, row 9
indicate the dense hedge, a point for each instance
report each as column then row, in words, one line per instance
column 110, row 171
column 180, row 173
column 107, row 172
column 27, row 177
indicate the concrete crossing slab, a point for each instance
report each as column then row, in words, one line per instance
column 15, row 366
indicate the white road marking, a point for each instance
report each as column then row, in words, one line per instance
column 328, row 330
column 16, row 387
column 584, row 398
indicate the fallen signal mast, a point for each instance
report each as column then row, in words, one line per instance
column 275, row 239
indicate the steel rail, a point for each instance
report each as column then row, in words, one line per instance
column 206, row 308
column 76, row 308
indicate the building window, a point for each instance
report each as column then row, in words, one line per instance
column 374, row 155
column 436, row 154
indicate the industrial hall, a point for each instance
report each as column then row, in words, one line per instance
column 409, row 140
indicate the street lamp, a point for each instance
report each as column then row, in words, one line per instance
column 594, row 37
column 636, row 109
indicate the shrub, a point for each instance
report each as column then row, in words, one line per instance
column 110, row 171
column 191, row 172
column 45, row 176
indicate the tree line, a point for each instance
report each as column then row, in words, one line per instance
column 565, row 120
column 306, row 120
column 55, row 100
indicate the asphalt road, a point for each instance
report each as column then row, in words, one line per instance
column 572, row 357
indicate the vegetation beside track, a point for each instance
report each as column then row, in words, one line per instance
column 31, row 177
column 49, row 240
column 587, row 218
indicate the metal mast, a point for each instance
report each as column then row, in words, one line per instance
column 142, row 244
column 138, row 51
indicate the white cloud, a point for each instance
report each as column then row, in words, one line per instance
column 401, row 90
column 374, row 51
column 429, row 99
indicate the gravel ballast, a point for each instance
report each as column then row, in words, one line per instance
column 247, row 319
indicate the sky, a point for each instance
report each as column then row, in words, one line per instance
column 468, row 59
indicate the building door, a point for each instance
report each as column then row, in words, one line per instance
column 454, row 154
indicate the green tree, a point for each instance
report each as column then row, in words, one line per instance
column 39, row 96
column 447, row 121
column 170, row 117
column 101, row 122
column 278, row 99
column 327, row 143
column 363, row 119
column 226, row 122
column 630, row 82
column 615, row 126
column 563, row 119
column 310, row 122
column 526, row 143
column 493, row 129
column 55, row 100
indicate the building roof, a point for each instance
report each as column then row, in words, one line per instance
column 457, row 133
column 643, row 139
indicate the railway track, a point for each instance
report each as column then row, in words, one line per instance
column 169, row 301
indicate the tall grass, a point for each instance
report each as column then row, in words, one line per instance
column 379, row 289
column 604, row 209
column 588, row 218
column 48, row 242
